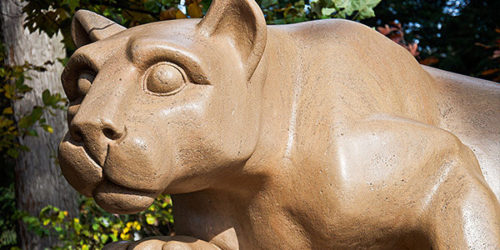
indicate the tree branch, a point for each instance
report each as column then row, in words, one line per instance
column 123, row 6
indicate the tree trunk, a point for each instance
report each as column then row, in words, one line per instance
column 38, row 178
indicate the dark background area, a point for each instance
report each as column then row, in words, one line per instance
column 458, row 35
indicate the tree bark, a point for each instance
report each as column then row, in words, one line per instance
column 38, row 178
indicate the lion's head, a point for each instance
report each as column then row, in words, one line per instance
column 162, row 107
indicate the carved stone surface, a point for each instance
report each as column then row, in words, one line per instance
column 321, row 135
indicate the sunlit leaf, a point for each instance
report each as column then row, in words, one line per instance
column 104, row 238
column 490, row 71
column 8, row 111
column 180, row 15
column 194, row 10
column 328, row 11
column 48, row 128
column 150, row 219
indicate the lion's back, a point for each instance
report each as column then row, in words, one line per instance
column 359, row 72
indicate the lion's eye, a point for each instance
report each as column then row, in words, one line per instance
column 164, row 78
column 85, row 82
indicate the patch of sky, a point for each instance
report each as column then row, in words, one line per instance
column 412, row 26
column 392, row 10
column 181, row 6
column 454, row 7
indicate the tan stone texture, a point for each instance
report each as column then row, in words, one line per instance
column 319, row 135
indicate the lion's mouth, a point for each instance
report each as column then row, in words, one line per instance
column 90, row 178
column 119, row 199
column 99, row 158
column 81, row 171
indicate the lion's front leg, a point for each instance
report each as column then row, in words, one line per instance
column 419, row 177
column 163, row 242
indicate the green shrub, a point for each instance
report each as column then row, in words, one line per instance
column 8, row 216
column 94, row 227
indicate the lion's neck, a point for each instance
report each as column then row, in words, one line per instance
column 237, row 203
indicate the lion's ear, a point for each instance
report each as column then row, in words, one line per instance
column 88, row 27
column 241, row 21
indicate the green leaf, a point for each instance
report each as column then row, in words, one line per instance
column 8, row 111
column 86, row 232
column 63, row 61
column 48, row 128
column 31, row 119
column 31, row 132
column 78, row 227
column 20, row 80
column 46, row 222
column 24, row 148
column 268, row 3
column 51, row 99
column 22, row 88
column 328, row 11
column 72, row 4
column 46, row 96
column 37, row 113
column 60, row 215
column 366, row 10
column 13, row 153
column 150, row 219
column 104, row 238
column 152, row 5
column 363, row 7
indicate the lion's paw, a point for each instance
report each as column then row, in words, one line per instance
column 165, row 242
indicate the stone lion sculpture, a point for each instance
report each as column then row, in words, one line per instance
column 321, row 135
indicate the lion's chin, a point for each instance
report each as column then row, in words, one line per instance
column 121, row 200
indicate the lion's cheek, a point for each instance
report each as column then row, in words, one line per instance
column 133, row 166
column 80, row 171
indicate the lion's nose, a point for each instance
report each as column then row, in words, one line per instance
column 86, row 131
column 112, row 133
column 95, row 136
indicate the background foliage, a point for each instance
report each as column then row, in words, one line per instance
column 13, row 87
column 54, row 16
column 456, row 35
column 461, row 36
column 95, row 227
